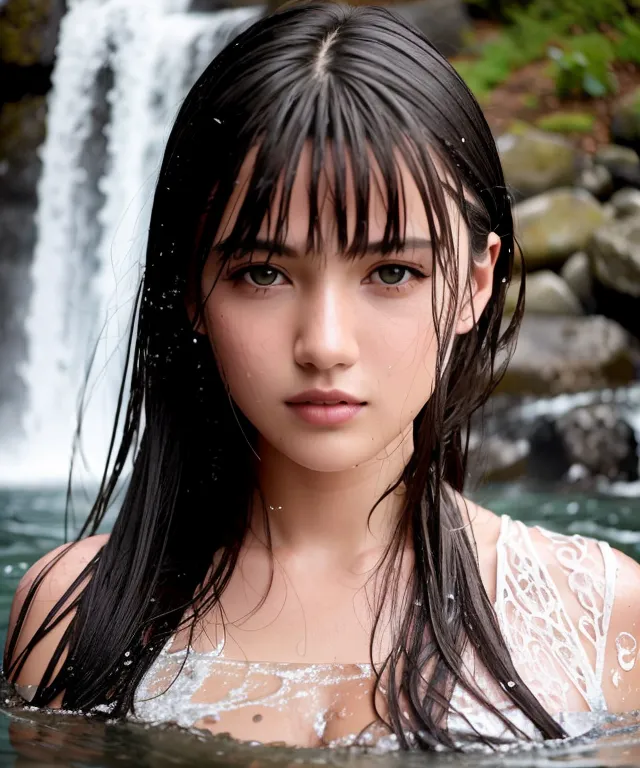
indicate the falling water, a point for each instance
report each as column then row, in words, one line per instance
column 121, row 73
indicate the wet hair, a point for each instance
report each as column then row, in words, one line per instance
column 356, row 82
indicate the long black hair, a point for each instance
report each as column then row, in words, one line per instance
column 353, row 81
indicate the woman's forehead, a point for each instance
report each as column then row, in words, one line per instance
column 412, row 212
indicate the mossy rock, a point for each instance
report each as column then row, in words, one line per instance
column 535, row 161
column 552, row 226
column 29, row 31
column 567, row 122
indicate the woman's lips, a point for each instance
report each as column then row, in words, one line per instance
column 326, row 415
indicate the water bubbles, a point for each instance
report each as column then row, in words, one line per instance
column 504, row 280
column 8, row 569
column 127, row 654
column 573, row 507
column 128, row 663
column 463, row 140
column 217, row 120
column 511, row 684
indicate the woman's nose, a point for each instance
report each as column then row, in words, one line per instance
column 326, row 334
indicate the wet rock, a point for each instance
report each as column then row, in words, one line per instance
column 535, row 162
column 547, row 293
column 590, row 441
column 613, row 156
column 576, row 272
column 615, row 255
column 625, row 121
column 622, row 163
column 626, row 202
column 597, row 180
column 569, row 354
column 552, row 226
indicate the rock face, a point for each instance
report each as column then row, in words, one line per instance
column 552, row 226
column 569, row 354
column 595, row 439
column 535, row 162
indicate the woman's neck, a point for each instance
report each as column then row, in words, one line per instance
column 326, row 514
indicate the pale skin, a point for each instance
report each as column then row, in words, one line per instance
column 366, row 327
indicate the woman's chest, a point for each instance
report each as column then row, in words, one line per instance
column 307, row 705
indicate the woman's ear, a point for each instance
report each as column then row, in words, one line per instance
column 479, row 291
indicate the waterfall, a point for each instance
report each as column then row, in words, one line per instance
column 121, row 73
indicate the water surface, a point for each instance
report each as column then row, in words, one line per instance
column 32, row 523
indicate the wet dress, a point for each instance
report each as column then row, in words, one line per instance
column 554, row 598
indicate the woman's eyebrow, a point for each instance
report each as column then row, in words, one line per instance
column 374, row 249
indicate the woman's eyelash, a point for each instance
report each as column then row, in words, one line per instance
column 239, row 275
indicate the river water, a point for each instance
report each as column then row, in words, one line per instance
column 32, row 522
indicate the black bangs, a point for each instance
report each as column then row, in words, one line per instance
column 356, row 143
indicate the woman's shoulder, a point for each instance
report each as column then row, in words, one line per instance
column 599, row 590
column 43, row 586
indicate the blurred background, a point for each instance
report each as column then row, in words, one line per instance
column 88, row 93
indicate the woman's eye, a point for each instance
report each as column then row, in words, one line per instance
column 260, row 276
column 393, row 274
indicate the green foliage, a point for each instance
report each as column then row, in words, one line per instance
column 583, row 67
column 581, row 63
column 567, row 122
column 627, row 46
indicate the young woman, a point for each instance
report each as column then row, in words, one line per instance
column 329, row 250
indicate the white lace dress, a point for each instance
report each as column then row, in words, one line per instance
column 554, row 596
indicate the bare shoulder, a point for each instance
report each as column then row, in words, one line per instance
column 621, row 678
column 48, row 580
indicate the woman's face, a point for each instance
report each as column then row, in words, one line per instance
column 320, row 321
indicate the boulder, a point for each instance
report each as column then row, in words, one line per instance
column 615, row 256
column 557, row 354
column 576, row 272
column 622, row 163
column 535, row 162
column 546, row 293
column 626, row 202
column 597, row 180
column 596, row 438
column 552, row 226
column 625, row 121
